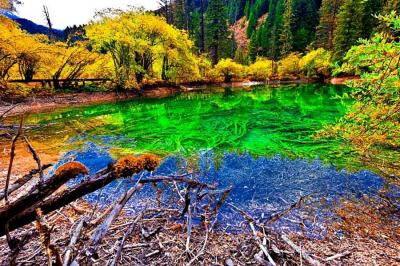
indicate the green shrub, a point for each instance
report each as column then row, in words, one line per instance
column 316, row 63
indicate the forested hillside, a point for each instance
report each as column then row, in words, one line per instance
column 275, row 28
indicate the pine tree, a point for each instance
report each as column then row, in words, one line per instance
column 370, row 22
column 327, row 23
column 286, row 37
column 305, row 20
column 349, row 26
column 217, row 34
column 253, row 46
column 180, row 15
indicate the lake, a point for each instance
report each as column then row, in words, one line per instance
column 261, row 120
column 258, row 139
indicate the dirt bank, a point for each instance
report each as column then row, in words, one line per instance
column 45, row 103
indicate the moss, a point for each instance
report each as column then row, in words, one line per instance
column 72, row 170
column 130, row 165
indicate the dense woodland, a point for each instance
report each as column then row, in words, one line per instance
column 187, row 41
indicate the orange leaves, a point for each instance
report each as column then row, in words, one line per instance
column 72, row 170
column 130, row 165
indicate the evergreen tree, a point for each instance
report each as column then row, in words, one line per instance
column 370, row 22
column 349, row 26
column 286, row 37
column 327, row 23
column 253, row 46
column 305, row 21
column 217, row 33
column 181, row 15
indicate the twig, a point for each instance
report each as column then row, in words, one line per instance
column 299, row 250
column 189, row 229
column 74, row 239
column 19, row 244
column 295, row 205
column 201, row 252
column 251, row 222
column 36, row 158
column 7, row 111
column 126, row 235
column 45, row 232
column 338, row 256
column 12, row 155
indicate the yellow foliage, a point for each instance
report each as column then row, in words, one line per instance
column 230, row 69
column 316, row 63
column 261, row 69
column 144, row 46
column 289, row 66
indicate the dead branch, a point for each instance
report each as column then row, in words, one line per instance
column 36, row 158
column 7, row 111
column 20, row 243
column 251, row 222
column 299, row 250
column 39, row 192
column 12, row 155
column 279, row 215
column 45, row 233
column 102, row 229
column 23, row 180
column 75, row 237
column 126, row 236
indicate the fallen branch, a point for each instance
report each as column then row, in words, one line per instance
column 101, row 179
column 102, row 229
column 23, row 180
column 126, row 236
column 12, row 155
column 74, row 239
column 41, row 191
column 251, row 222
column 279, row 215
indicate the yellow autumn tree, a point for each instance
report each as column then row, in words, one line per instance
column 142, row 46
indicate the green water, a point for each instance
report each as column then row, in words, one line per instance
column 261, row 120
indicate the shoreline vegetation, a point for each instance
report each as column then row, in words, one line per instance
column 48, row 102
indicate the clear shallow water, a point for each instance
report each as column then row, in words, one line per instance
column 233, row 135
column 261, row 120
column 260, row 186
